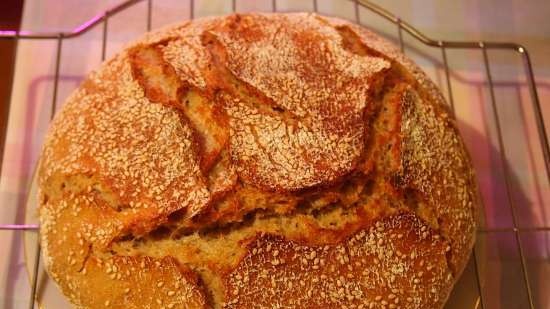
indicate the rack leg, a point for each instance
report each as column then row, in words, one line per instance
column 35, row 273
column 104, row 38
column 448, row 78
column 149, row 14
column 506, row 174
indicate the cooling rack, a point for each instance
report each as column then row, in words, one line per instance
column 401, row 28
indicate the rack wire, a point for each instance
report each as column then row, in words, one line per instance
column 401, row 28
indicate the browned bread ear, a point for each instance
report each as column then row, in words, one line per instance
column 256, row 160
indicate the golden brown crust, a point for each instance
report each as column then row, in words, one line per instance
column 435, row 157
column 93, row 280
column 319, row 93
column 199, row 151
column 382, row 265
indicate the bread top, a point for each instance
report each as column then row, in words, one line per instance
column 256, row 160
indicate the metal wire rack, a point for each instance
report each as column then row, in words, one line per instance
column 401, row 27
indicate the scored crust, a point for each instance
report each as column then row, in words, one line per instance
column 256, row 160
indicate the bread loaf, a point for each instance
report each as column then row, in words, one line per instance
column 256, row 161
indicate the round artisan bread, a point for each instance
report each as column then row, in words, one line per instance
column 256, row 161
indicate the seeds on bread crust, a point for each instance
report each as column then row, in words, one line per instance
column 252, row 161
